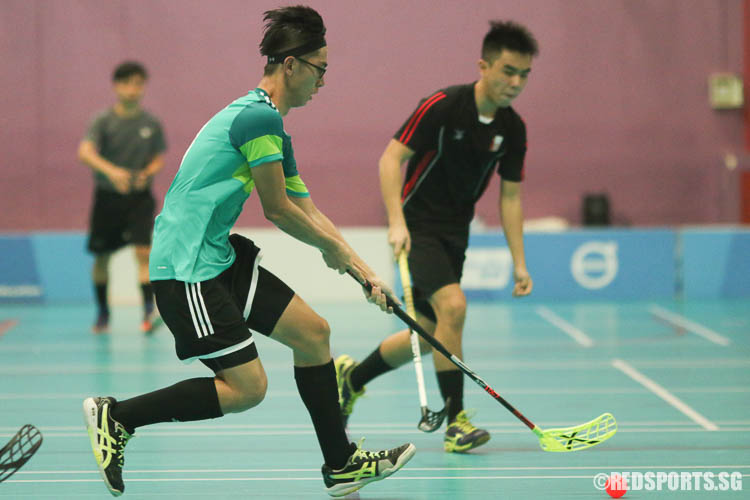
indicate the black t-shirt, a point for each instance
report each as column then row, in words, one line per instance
column 455, row 154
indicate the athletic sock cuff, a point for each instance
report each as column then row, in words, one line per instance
column 371, row 367
column 451, row 384
column 317, row 388
column 189, row 400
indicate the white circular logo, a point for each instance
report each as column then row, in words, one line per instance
column 600, row 481
column 594, row 264
column 145, row 132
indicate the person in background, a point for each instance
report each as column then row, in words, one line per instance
column 124, row 146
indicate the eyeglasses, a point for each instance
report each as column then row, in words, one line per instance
column 321, row 69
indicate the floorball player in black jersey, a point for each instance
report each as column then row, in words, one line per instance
column 453, row 142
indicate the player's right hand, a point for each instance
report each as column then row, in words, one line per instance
column 340, row 258
column 399, row 239
column 375, row 290
column 381, row 291
column 121, row 179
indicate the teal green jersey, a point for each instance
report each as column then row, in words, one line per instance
column 191, row 234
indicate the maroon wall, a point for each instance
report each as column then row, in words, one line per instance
column 617, row 101
column 746, row 74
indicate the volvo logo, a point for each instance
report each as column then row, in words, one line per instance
column 594, row 264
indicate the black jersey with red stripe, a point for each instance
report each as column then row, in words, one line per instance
column 455, row 155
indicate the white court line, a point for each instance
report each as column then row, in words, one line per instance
column 171, row 428
column 213, row 479
column 688, row 325
column 500, row 364
column 390, row 479
column 686, row 428
column 410, row 469
column 566, row 327
column 664, row 394
column 523, row 391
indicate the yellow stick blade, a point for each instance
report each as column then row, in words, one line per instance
column 579, row 437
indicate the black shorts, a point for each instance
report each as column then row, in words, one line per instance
column 120, row 219
column 436, row 259
column 213, row 320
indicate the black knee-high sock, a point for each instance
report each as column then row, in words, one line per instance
column 372, row 366
column 148, row 297
column 318, row 390
column 193, row 399
column 100, row 290
column 451, row 384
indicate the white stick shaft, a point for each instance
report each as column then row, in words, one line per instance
column 418, row 369
column 403, row 266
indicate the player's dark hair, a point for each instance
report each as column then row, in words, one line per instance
column 508, row 35
column 125, row 70
column 290, row 28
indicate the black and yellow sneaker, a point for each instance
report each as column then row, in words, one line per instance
column 461, row 435
column 347, row 395
column 364, row 467
column 108, row 440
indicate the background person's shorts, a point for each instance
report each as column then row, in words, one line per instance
column 118, row 220
column 436, row 259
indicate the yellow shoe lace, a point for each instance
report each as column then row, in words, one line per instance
column 120, row 446
column 462, row 421
column 367, row 455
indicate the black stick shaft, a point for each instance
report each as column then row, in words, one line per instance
column 442, row 350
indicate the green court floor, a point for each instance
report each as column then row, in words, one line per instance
column 675, row 374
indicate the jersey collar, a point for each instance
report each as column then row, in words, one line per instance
column 264, row 96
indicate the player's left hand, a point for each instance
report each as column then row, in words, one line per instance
column 524, row 284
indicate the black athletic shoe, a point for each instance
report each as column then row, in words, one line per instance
column 365, row 467
column 102, row 324
column 462, row 436
column 108, row 440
